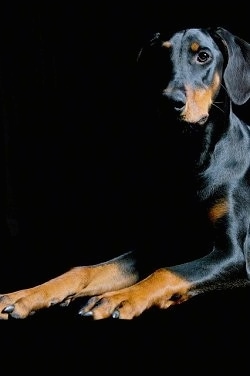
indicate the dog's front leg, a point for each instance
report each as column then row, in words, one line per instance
column 169, row 286
column 77, row 282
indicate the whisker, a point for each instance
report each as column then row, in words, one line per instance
column 213, row 104
column 224, row 87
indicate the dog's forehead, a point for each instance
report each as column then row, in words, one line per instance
column 192, row 38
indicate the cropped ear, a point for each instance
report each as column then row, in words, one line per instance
column 153, row 65
column 154, row 41
column 237, row 70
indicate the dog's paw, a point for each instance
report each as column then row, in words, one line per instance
column 115, row 305
column 15, row 305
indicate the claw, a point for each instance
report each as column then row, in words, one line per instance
column 65, row 303
column 8, row 309
column 116, row 314
column 85, row 314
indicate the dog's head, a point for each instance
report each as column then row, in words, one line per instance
column 194, row 65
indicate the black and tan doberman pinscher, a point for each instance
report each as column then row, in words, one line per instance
column 208, row 79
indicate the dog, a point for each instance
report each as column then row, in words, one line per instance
column 207, row 78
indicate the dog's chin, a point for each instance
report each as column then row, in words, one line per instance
column 193, row 126
column 201, row 121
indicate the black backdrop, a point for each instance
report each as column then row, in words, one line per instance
column 78, row 165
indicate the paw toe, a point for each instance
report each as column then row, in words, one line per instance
column 8, row 309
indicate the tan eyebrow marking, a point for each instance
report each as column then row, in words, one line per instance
column 195, row 46
column 167, row 44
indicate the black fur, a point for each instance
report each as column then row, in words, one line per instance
column 197, row 79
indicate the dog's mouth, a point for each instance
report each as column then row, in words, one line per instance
column 193, row 121
column 187, row 114
column 203, row 120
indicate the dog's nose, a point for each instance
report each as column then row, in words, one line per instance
column 176, row 98
column 178, row 105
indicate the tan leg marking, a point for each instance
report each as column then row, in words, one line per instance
column 79, row 281
column 163, row 288
column 218, row 210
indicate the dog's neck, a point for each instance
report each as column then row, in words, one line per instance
column 214, row 165
column 216, row 129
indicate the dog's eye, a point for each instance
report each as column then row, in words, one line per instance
column 203, row 56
